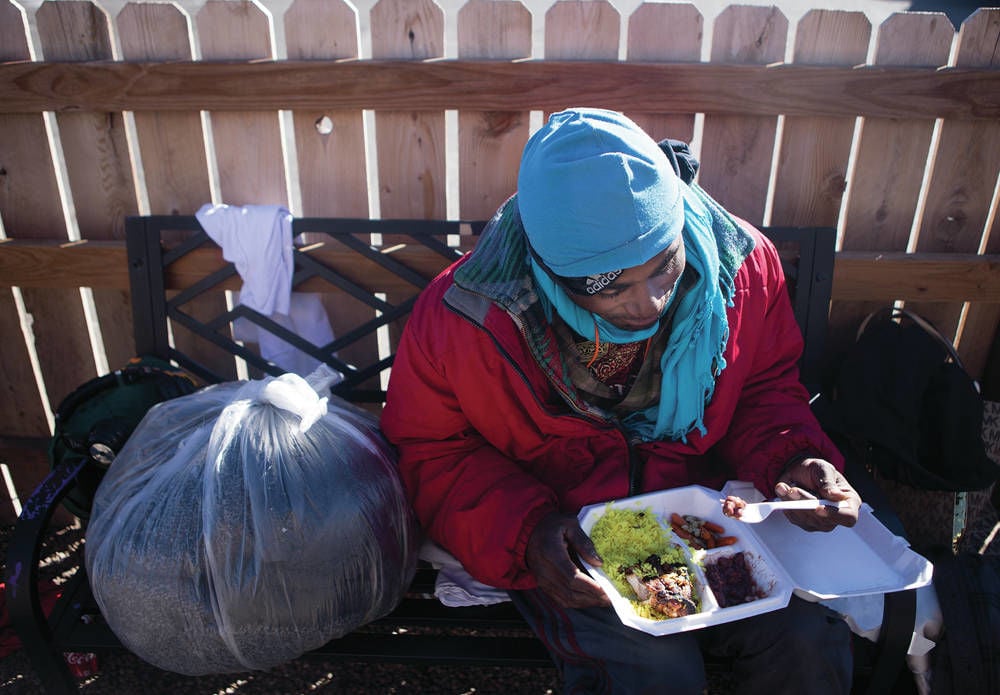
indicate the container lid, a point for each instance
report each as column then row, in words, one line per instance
column 867, row 558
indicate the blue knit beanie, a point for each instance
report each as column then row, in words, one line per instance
column 596, row 193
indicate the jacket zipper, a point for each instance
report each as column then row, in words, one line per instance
column 635, row 464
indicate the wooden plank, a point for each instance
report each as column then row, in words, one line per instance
column 814, row 151
column 171, row 149
column 20, row 404
column 330, row 143
column 333, row 177
column 248, row 175
column 27, row 179
column 171, row 144
column 812, row 166
column 736, row 150
column 581, row 29
column 98, row 165
column 490, row 142
column 798, row 90
column 891, row 158
column 56, row 316
column 93, row 142
column 858, row 275
column 13, row 33
column 410, row 141
column 647, row 26
column 929, row 277
column 982, row 321
column 892, row 153
column 962, row 186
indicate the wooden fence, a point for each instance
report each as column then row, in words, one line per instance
column 890, row 133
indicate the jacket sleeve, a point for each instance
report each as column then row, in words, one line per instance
column 772, row 423
column 471, row 499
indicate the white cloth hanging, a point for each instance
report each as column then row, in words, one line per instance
column 257, row 239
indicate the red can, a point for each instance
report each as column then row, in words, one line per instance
column 81, row 664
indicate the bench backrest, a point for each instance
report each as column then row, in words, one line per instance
column 369, row 272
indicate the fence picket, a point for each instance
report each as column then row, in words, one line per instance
column 891, row 157
column 811, row 174
column 579, row 29
column 58, row 322
column 411, row 145
column 490, row 142
column 962, row 186
column 171, row 147
column 331, row 154
column 171, row 144
column 647, row 27
column 247, row 143
column 814, row 152
column 27, row 179
column 736, row 151
column 962, row 192
column 98, row 165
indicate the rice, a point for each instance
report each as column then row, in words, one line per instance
column 625, row 537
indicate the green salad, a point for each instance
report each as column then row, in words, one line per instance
column 643, row 563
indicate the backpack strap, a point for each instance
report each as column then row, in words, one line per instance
column 899, row 612
column 899, row 312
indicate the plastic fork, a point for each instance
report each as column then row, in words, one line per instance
column 756, row 512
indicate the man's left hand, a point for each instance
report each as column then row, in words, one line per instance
column 814, row 478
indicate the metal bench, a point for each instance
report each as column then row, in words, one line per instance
column 381, row 265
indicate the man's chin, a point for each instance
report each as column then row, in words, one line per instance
column 635, row 326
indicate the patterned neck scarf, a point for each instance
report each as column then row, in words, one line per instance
column 693, row 357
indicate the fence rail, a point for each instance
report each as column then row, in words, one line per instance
column 764, row 90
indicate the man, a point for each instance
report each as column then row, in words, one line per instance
column 614, row 332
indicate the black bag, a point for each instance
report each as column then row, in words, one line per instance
column 965, row 660
column 904, row 401
column 97, row 418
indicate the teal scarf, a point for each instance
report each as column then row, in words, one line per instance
column 715, row 247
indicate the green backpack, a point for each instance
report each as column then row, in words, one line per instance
column 97, row 418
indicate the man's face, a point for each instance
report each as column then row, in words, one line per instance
column 638, row 297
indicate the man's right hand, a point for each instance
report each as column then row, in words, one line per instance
column 549, row 556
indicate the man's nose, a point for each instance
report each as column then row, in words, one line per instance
column 652, row 301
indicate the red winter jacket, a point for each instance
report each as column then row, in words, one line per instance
column 488, row 446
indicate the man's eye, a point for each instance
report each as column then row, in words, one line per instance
column 666, row 267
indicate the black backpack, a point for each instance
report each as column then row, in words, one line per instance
column 905, row 404
column 97, row 418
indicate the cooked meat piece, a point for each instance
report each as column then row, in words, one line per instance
column 668, row 588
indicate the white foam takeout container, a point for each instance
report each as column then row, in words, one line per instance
column 784, row 559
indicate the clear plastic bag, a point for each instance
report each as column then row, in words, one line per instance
column 246, row 524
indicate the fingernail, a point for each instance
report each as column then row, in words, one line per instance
column 781, row 489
